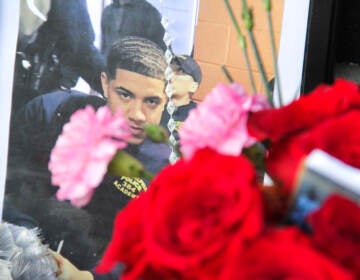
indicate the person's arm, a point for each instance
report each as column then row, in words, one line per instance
column 70, row 21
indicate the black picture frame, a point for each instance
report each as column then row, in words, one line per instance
column 320, row 45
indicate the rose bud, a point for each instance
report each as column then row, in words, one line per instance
column 156, row 133
column 124, row 164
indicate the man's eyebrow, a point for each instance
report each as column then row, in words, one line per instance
column 153, row 97
column 124, row 89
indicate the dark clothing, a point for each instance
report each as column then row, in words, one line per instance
column 136, row 18
column 179, row 116
column 85, row 231
column 347, row 30
column 61, row 50
column 14, row 216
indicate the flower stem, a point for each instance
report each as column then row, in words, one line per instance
column 227, row 74
column 248, row 22
column 261, row 69
column 242, row 43
column 267, row 5
column 247, row 62
column 274, row 56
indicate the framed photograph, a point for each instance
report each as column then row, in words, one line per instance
column 58, row 48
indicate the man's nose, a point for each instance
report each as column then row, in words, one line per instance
column 137, row 112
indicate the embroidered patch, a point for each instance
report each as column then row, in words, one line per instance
column 130, row 186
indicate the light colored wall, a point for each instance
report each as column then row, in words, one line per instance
column 182, row 16
column 216, row 43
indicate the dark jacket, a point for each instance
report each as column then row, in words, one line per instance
column 134, row 17
column 12, row 215
column 85, row 231
column 59, row 53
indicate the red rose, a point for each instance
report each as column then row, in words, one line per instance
column 197, row 208
column 327, row 119
column 192, row 214
column 322, row 103
column 283, row 254
column 336, row 231
column 339, row 136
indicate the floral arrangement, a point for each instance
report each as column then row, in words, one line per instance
column 229, row 225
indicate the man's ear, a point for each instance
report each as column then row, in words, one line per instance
column 194, row 86
column 105, row 84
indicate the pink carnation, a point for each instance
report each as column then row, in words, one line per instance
column 219, row 122
column 79, row 160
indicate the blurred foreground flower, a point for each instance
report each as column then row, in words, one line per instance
column 220, row 208
column 83, row 151
column 331, row 226
column 327, row 119
column 219, row 122
column 283, row 254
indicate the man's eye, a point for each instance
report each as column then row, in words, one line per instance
column 124, row 94
column 153, row 101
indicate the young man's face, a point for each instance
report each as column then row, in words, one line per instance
column 141, row 98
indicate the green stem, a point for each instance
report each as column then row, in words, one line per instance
column 274, row 56
column 249, row 24
column 247, row 63
column 234, row 21
column 267, row 5
column 261, row 68
column 242, row 42
column 227, row 74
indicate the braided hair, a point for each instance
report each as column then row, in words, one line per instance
column 136, row 54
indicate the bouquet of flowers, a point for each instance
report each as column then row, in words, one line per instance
column 226, row 227
column 209, row 215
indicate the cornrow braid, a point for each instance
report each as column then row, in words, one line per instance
column 136, row 54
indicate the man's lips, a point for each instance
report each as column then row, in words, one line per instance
column 136, row 130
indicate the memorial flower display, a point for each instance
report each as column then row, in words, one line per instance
column 210, row 215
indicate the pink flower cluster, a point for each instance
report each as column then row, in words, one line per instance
column 219, row 122
column 79, row 160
